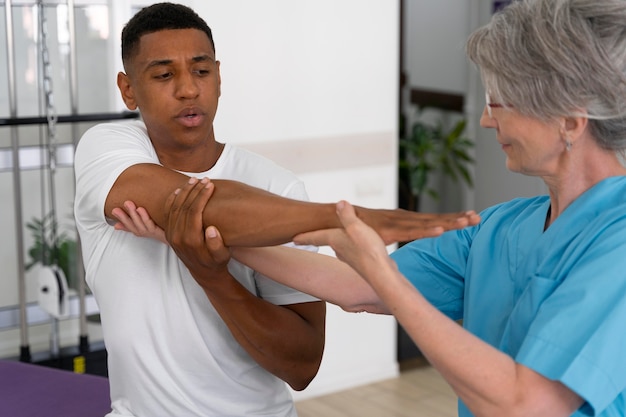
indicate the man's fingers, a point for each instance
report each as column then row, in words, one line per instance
column 215, row 245
column 473, row 218
column 435, row 226
column 182, row 206
column 193, row 208
column 196, row 190
column 179, row 197
column 437, row 217
column 169, row 201
column 423, row 225
column 198, row 199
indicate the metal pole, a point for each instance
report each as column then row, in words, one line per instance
column 83, row 343
column 73, row 70
column 50, row 111
column 17, row 185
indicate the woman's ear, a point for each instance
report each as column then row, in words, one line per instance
column 126, row 90
column 575, row 126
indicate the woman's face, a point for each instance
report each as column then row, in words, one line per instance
column 532, row 147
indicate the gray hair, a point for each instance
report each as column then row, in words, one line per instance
column 552, row 58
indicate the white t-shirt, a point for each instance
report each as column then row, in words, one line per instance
column 169, row 352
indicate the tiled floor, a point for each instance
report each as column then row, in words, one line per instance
column 417, row 392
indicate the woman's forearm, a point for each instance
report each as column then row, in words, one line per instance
column 321, row 276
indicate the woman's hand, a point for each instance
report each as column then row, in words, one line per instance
column 137, row 221
column 356, row 243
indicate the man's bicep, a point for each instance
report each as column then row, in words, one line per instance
column 313, row 312
column 148, row 186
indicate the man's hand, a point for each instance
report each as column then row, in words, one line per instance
column 286, row 340
column 180, row 207
column 200, row 249
column 404, row 226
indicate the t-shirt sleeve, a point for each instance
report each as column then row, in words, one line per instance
column 102, row 154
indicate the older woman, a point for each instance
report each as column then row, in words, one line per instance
column 540, row 284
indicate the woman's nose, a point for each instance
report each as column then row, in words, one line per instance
column 487, row 121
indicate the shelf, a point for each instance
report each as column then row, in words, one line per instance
column 437, row 99
column 76, row 118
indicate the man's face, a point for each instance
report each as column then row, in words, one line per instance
column 174, row 80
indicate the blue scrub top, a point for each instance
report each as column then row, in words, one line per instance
column 553, row 300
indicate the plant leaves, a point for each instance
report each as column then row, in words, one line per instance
column 427, row 149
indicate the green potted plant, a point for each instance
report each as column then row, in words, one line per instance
column 51, row 248
column 426, row 149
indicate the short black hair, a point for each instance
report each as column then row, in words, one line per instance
column 157, row 17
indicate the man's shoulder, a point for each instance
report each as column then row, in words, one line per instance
column 255, row 161
column 245, row 153
column 131, row 127
column 113, row 135
column 114, row 142
column 259, row 171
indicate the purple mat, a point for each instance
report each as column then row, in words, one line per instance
column 28, row 390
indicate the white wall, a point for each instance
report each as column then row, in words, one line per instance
column 313, row 85
column 298, row 70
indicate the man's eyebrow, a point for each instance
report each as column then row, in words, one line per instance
column 161, row 62
column 158, row 62
column 202, row 58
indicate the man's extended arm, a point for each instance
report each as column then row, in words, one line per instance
column 248, row 216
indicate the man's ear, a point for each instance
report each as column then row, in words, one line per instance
column 126, row 90
column 219, row 79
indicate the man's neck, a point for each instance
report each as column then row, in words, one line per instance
column 192, row 160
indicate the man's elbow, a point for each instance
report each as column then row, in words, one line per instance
column 304, row 377
column 301, row 385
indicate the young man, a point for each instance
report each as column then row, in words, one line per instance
column 177, row 348
column 184, row 337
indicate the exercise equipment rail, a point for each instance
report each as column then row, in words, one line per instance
column 50, row 119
